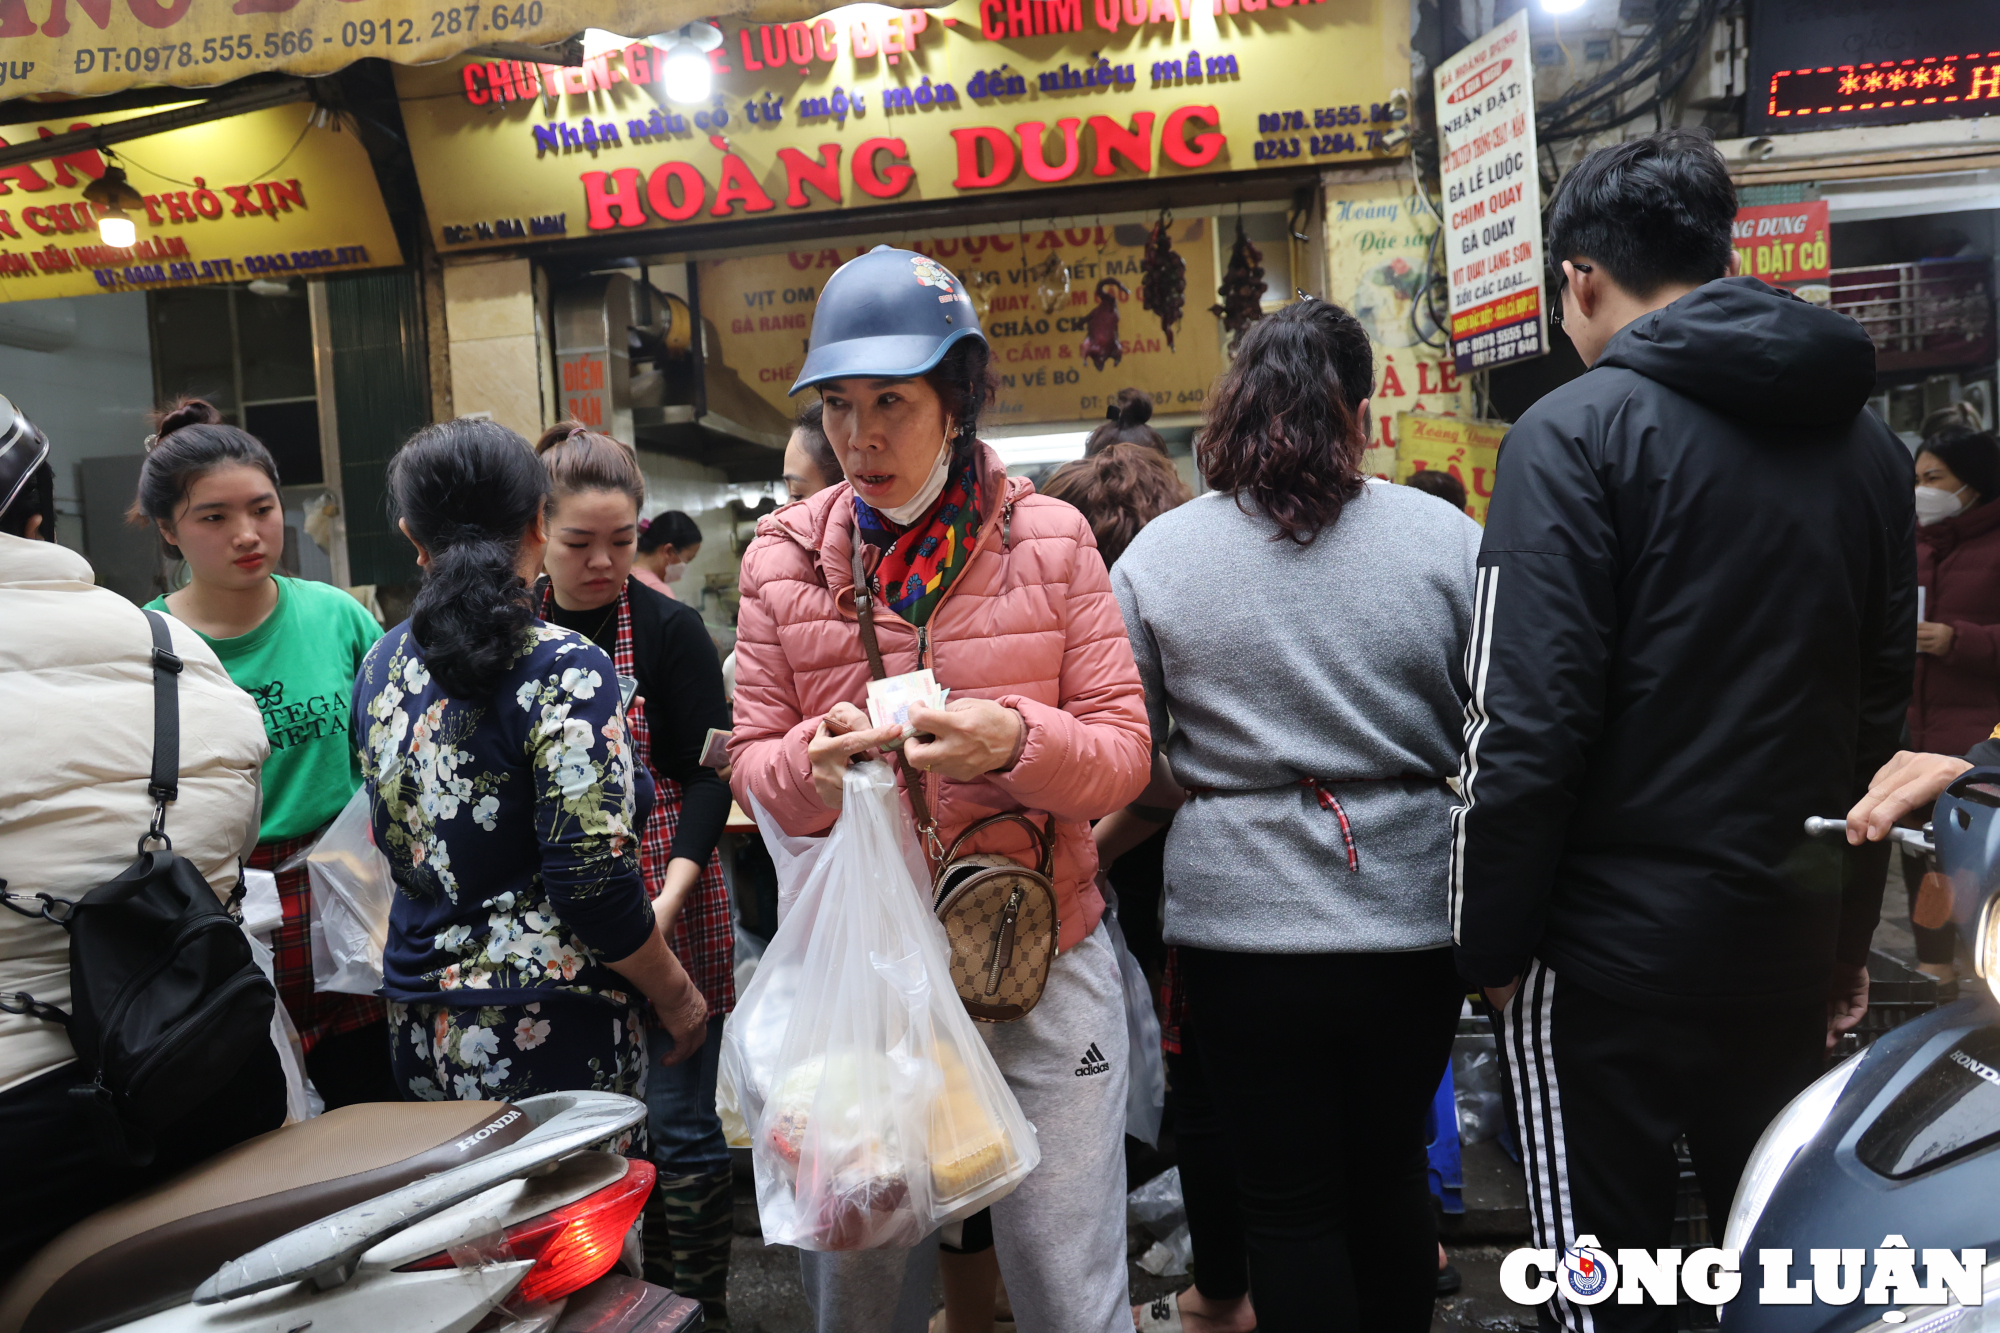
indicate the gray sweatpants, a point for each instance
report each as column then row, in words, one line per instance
column 1060, row 1235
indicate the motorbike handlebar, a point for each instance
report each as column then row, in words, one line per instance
column 1914, row 839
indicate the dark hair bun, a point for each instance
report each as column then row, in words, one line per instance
column 187, row 412
column 1131, row 408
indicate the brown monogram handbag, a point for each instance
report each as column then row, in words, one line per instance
column 999, row 916
column 1000, row 920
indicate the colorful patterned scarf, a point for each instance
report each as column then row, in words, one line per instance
column 911, row 567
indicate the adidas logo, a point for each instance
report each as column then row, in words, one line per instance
column 1093, row 1062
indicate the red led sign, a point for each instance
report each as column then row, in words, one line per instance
column 1933, row 87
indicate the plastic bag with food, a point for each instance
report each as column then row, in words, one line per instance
column 874, row 1111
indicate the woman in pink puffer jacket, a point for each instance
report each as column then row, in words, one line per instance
column 1002, row 594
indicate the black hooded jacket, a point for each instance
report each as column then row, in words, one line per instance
column 1695, row 627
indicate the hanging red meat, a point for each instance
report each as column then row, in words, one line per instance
column 1100, row 337
column 1242, row 289
column 1163, row 278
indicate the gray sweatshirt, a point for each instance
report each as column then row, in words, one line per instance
column 1341, row 661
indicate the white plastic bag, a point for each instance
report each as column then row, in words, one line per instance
column 302, row 1099
column 1146, row 1090
column 351, row 894
column 874, row 1111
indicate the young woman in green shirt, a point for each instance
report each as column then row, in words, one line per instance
column 294, row 646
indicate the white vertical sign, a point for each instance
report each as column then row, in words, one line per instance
column 1493, row 220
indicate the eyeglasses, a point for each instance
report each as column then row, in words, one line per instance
column 1558, row 281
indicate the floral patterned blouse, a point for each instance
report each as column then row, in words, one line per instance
column 508, row 823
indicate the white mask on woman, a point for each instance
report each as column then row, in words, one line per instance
column 913, row 509
column 1935, row 505
column 673, row 571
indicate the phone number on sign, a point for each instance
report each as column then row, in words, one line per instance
column 277, row 45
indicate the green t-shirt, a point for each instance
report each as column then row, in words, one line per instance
column 299, row 667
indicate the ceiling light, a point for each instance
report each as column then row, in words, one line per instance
column 685, row 74
column 110, row 196
column 1561, row 6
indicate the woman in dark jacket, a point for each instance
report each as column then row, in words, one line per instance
column 1955, row 701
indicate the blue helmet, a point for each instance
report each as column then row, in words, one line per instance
column 886, row 315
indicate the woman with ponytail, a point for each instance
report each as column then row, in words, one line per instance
column 507, row 803
column 593, row 588
column 211, row 490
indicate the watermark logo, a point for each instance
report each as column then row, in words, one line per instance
column 1585, row 1274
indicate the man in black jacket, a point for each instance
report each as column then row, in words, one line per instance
column 1695, row 626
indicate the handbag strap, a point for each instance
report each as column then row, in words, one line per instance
column 165, row 784
column 1044, row 838
column 864, row 611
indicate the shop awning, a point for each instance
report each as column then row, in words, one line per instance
column 94, row 47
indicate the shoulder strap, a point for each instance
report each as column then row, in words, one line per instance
column 864, row 611
column 165, row 785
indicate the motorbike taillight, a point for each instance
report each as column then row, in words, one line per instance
column 572, row 1246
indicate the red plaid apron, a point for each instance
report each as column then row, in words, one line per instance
column 316, row 1014
column 704, row 935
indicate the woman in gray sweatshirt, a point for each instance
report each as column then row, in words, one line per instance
column 1304, row 629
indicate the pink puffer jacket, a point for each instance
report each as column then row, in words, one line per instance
column 1030, row 622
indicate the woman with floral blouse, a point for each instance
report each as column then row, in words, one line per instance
column 522, row 948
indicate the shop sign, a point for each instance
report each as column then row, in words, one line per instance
column 1469, row 450
column 1492, row 200
column 262, row 195
column 867, row 106
column 102, row 46
column 1784, row 244
column 1818, row 67
column 1062, row 347
column 1378, row 238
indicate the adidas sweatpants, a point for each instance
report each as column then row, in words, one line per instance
column 1061, row 1234
column 1600, row 1092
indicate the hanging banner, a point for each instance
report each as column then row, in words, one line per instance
column 102, row 46
column 1062, row 348
column 866, row 107
column 1469, row 450
column 1786, row 245
column 1379, row 236
column 1492, row 200
column 262, row 195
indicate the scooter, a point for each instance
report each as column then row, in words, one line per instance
column 1896, row 1147
column 428, row 1217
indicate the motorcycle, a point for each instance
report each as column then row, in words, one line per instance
column 427, row 1217
column 1898, row 1147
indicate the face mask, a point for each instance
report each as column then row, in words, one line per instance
column 1934, row 505
column 913, row 509
column 672, row 573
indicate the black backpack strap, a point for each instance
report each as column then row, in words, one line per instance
column 166, row 780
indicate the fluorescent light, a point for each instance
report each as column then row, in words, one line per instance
column 1561, row 6
column 1034, row 450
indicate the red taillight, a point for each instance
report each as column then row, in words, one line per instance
column 573, row 1246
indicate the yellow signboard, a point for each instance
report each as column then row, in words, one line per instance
column 868, row 106
column 1469, row 450
column 1378, row 234
column 88, row 47
column 264, row 195
column 1062, row 347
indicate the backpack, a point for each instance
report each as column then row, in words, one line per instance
column 167, row 1002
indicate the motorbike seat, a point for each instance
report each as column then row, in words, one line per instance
column 152, row 1250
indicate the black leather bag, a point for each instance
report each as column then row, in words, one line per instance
column 167, row 1003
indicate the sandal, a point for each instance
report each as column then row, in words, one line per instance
column 1162, row 1316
